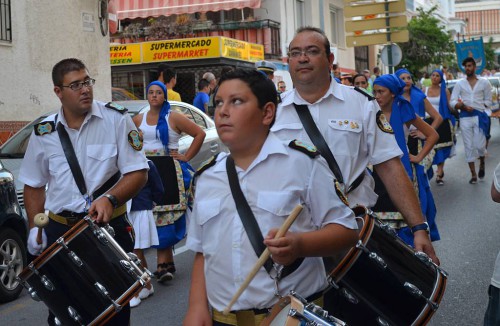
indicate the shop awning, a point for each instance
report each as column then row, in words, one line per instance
column 154, row 8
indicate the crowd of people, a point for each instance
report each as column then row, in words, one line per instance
column 346, row 141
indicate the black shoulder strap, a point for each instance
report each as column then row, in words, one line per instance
column 69, row 151
column 318, row 140
column 245, row 212
column 249, row 223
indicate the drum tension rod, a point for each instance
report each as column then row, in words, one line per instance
column 73, row 257
column 106, row 294
column 44, row 279
column 30, row 290
column 416, row 292
column 372, row 255
column 74, row 315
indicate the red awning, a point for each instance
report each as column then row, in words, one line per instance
column 154, row 8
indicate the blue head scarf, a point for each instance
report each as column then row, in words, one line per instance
column 402, row 112
column 443, row 99
column 416, row 95
column 162, row 125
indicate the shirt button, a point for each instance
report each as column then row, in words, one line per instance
column 235, row 245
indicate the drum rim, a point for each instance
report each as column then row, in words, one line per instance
column 353, row 254
column 437, row 294
column 281, row 304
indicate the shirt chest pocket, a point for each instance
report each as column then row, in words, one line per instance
column 344, row 136
column 206, row 213
column 101, row 158
column 280, row 203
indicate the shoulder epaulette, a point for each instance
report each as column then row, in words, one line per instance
column 206, row 165
column 44, row 127
column 364, row 92
column 305, row 148
column 117, row 107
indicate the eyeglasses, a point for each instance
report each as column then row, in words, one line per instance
column 79, row 85
column 282, row 86
column 311, row 52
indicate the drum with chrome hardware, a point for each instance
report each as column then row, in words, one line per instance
column 85, row 277
column 383, row 281
column 293, row 310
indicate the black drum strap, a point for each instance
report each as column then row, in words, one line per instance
column 69, row 151
column 249, row 223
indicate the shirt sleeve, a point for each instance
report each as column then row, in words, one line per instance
column 496, row 178
column 325, row 205
column 129, row 159
column 382, row 146
column 455, row 94
column 34, row 167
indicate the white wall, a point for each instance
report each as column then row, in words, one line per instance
column 44, row 32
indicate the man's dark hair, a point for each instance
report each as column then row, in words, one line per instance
column 326, row 42
column 376, row 70
column 63, row 67
column 168, row 72
column 467, row 60
column 224, row 70
column 202, row 84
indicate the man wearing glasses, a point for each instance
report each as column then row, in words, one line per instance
column 281, row 86
column 352, row 126
column 107, row 149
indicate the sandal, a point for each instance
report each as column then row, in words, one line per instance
column 163, row 274
column 473, row 180
column 439, row 179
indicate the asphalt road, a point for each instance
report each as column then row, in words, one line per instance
column 468, row 221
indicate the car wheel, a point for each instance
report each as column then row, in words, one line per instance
column 12, row 262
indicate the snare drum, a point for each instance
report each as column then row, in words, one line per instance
column 85, row 277
column 293, row 310
column 383, row 281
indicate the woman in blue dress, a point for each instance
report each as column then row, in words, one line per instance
column 439, row 96
column 388, row 91
column 424, row 109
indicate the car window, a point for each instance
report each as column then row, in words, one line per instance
column 191, row 115
column 16, row 146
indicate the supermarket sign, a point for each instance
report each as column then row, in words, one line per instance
column 185, row 49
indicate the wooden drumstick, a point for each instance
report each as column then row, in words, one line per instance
column 263, row 257
column 41, row 220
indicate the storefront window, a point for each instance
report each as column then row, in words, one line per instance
column 131, row 83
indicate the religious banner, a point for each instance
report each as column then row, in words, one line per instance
column 471, row 49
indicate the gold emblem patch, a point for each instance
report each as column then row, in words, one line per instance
column 43, row 128
column 340, row 193
column 383, row 124
column 135, row 140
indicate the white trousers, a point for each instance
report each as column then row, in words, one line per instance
column 474, row 138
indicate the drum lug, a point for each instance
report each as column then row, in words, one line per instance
column 106, row 294
column 74, row 257
column 30, row 290
column 57, row 321
column 74, row 315
column 101, row 236
column 379, row 260
column 110, row 230
column 349, row 296
column 44, row 279
column 387, row 228
column 332, row 283
column 382, row 322
column 416, row 292
column 133, row 257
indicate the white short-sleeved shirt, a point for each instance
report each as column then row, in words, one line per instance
column 101, row 146
column 347, row 120
column 278, row 179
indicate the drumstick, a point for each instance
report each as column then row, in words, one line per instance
column 263, row 257
column 41, row 220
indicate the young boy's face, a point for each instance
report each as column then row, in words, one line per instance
column 238, row 118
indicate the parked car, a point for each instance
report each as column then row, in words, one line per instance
column 121, row 94
column 12, row 151
column 495, row 90
column 13, row 236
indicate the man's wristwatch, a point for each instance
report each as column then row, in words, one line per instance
column 419, row 227
column 112, row 199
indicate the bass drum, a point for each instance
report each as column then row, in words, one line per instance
column 84, row 277
column 382, row 280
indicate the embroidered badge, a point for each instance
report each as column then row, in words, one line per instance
column 340, row 193
column 383, row 124
column 117, row 107
column 43, row 128
column 134, row 139
column 308, row 149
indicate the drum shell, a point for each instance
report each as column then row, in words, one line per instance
column 75, row 285
column 380, row 291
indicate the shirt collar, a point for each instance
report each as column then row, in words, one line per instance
column 293, row 96
column 272, row 145
column 95, row 110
